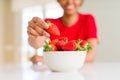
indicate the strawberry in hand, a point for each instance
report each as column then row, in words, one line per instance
column 53, row 29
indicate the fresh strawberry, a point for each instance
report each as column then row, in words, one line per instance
column 85, row 46
column 54, row 48
column 60, row 44
column 79, row 48
column 49, row 47
column 53, row 29
column 54, row 41
column 70, row 46
column 83, row 43
column 64, row 39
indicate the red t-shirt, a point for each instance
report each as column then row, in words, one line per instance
column 84, row 28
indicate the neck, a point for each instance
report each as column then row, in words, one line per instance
column 69, row 20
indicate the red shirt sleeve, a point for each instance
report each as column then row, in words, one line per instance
column 91, row 28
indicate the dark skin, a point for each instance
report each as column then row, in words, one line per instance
column 37, row 34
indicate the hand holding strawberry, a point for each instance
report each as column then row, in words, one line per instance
column 38, row 31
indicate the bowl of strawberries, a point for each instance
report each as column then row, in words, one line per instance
column 63, row 56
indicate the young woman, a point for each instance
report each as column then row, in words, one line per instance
column 72, row 24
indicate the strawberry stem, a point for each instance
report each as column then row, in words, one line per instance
column 48, row 22
column 47, row 47
column 79, row 48
column 78, row 41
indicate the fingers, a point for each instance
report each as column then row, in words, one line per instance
column 39, row 22
column 35, row 59
column 31, row 24
column 37, row 32
column 37, row 26
column 31, row 36
column 42, row 32
column 32, row 32
column 41, row 59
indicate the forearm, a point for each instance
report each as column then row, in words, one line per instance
column 91, row 55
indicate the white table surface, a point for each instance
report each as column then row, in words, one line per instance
column 95, row 71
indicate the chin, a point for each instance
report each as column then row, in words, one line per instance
column 68, row 12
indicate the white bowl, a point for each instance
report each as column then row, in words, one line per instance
column 65, row 61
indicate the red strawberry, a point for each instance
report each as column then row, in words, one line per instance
column 60, row 44
column 54, row 48
column 64, row 39
column 70, row 46
column 53, row 29
column 83, row 44
column 54, row 41
column 49, row 47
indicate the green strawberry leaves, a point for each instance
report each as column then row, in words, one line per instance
column 80, row 48
column 47, row 47
column 88, row 48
